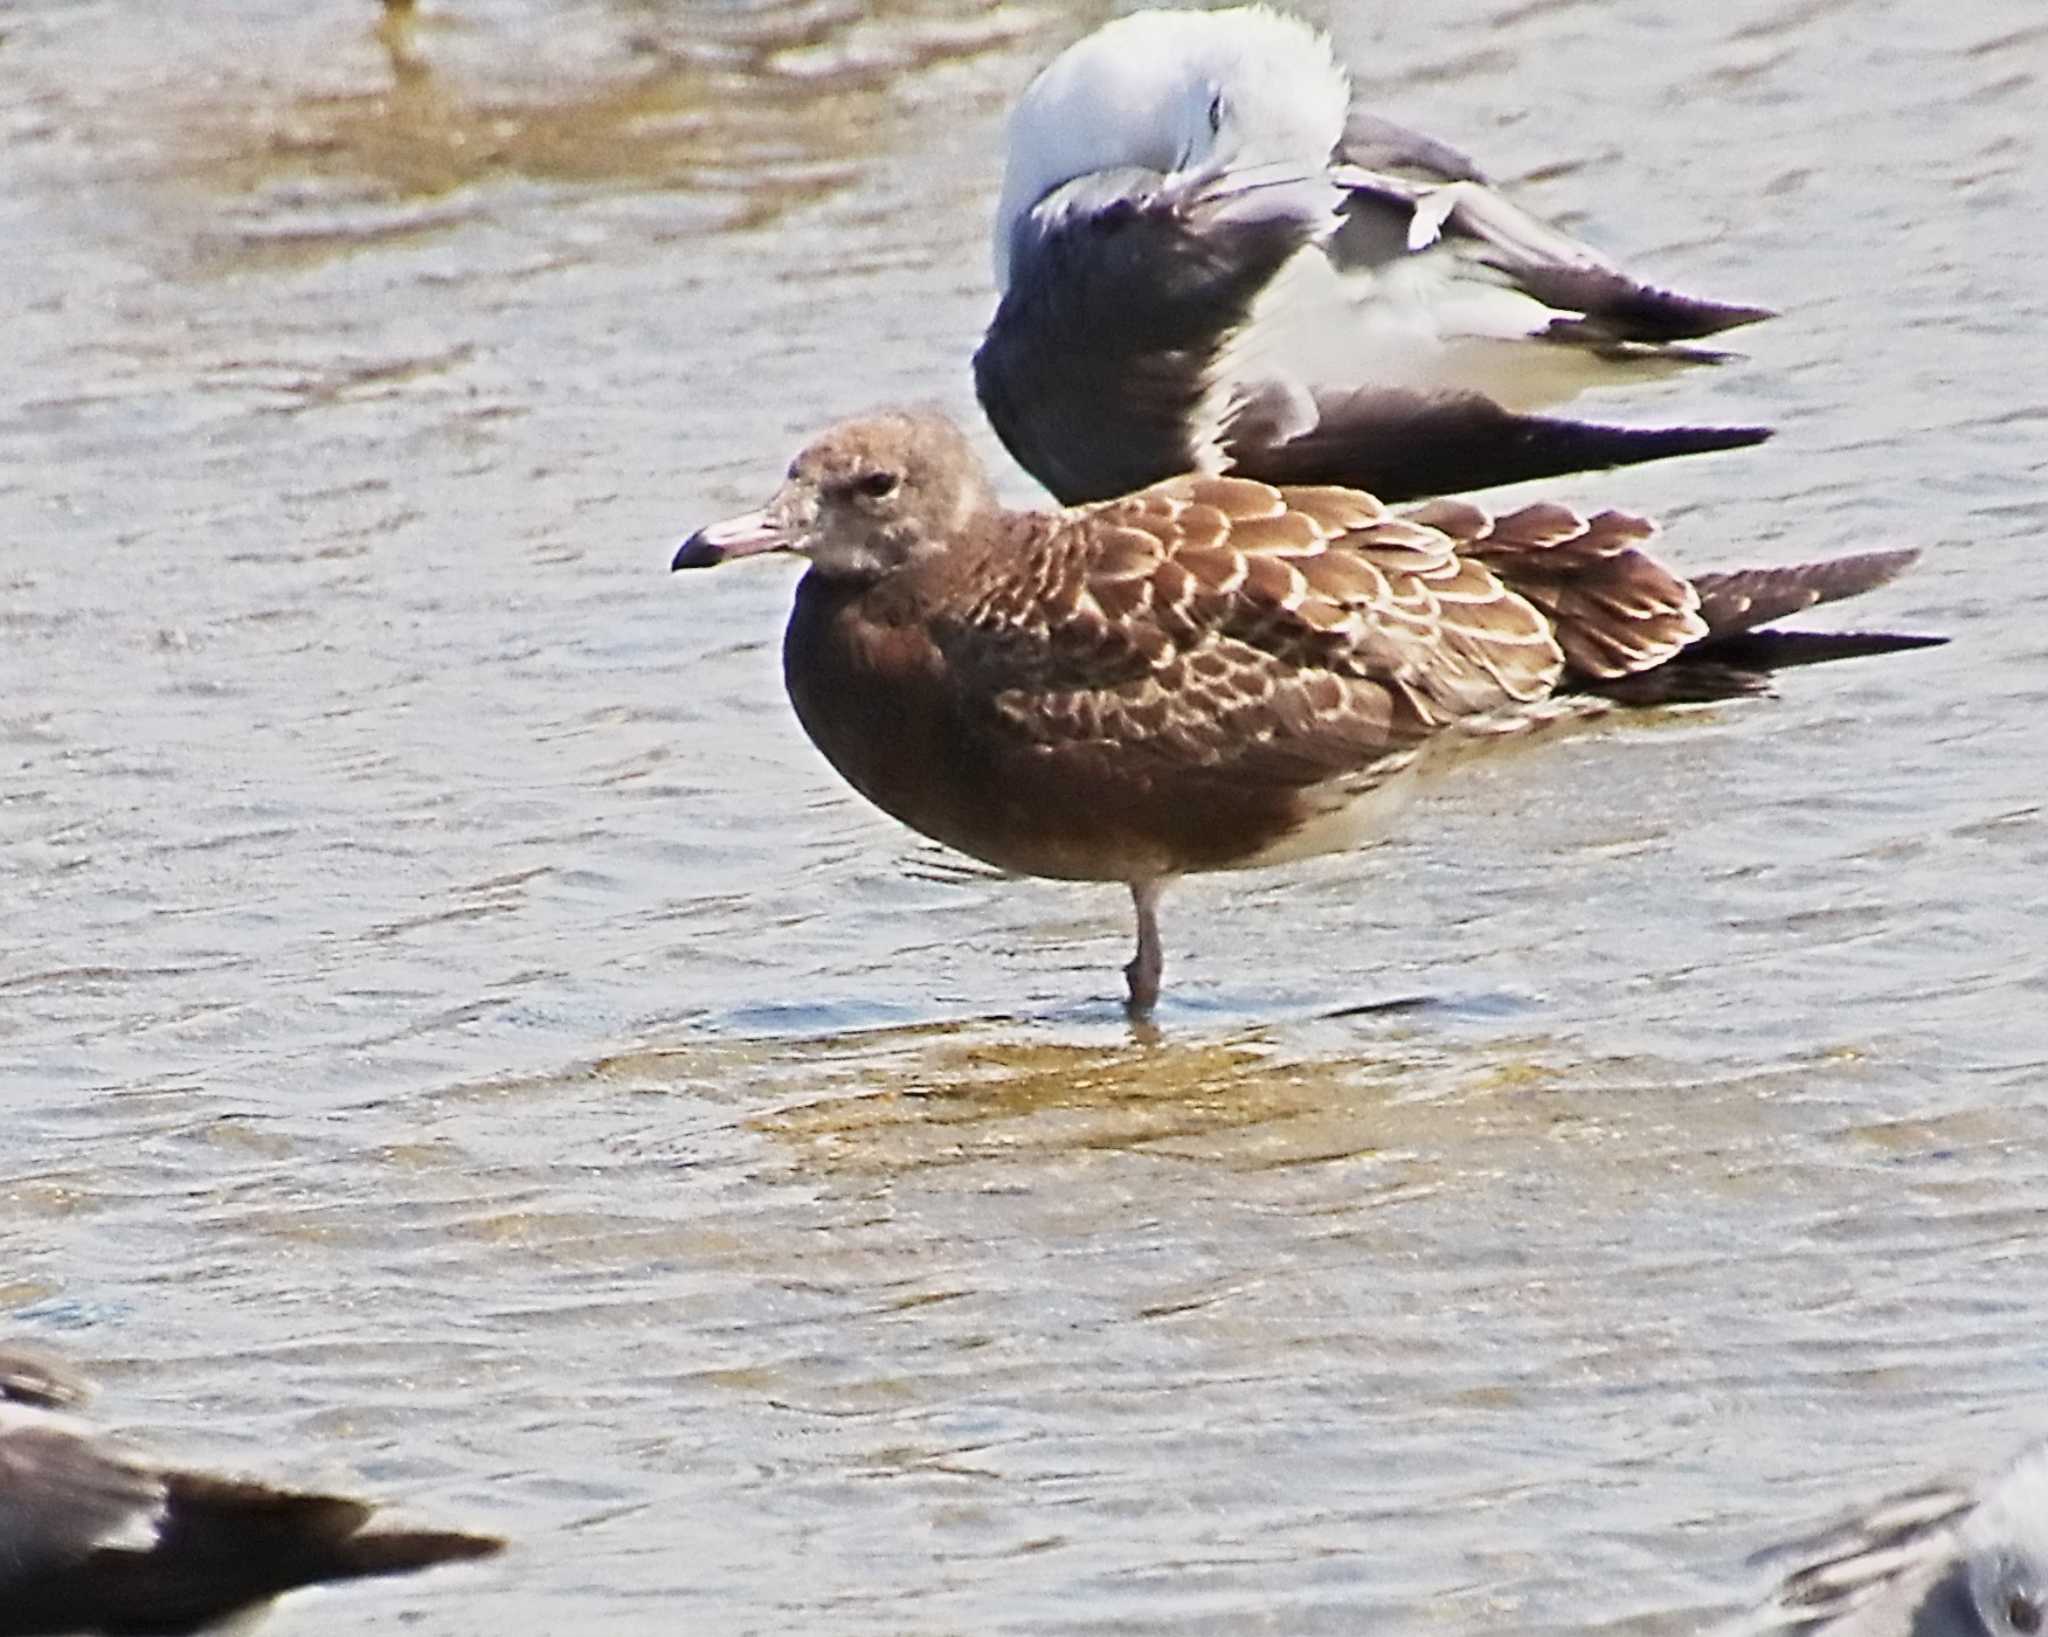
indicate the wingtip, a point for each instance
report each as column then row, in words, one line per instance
column 1403, row 445
column 1706, row 439
column 394, row 1552
column 1722, row 316
column 1883, row 567
column 1602, row 445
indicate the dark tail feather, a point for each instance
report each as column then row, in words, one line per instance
column 1735, row 658
column 1781, row 650
column 1402, row 445
column 1744, row 598
column 232, row 1518
column 1741, row 666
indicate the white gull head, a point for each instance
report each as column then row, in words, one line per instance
column 1174, row 91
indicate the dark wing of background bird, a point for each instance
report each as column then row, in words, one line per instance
column 1096, row 371
column 1109, row 363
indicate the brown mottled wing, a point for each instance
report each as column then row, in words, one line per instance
column 1224, row 625
column 1615, row 609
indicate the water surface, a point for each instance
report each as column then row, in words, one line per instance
column 458, row 1042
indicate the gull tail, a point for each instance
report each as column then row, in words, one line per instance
column 1739, row 652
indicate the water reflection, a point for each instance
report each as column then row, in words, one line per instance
column 748, row 112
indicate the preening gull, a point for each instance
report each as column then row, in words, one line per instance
column 1211, row 260
column 94, row 1539
column 1215, row 673
column 1934, row 1562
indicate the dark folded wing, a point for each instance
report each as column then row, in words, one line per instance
column 1741, row 599
column 225, row 1548
column 1097, row 370
column 1402, row 445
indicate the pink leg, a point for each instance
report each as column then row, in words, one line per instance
column 1149, row 962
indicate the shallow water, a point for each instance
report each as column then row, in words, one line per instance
column 457, row 1041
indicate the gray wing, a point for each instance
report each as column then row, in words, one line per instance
column 1377, row 143
column 1404, row 187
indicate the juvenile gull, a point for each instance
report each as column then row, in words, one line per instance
column 93, row 1539
column 1213, row 672
column 1212, row 260
column 1933, row 1562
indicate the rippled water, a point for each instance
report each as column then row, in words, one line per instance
column 457, row 1041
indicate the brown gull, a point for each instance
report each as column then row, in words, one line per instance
column 1213, row 672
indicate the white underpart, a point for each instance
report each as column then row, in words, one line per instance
column 1417, row 324
column 1346, row 815
column 1360, row 809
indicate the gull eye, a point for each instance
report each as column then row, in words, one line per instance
column 2023, row 1614
column 876, row 485
column 1216, row 113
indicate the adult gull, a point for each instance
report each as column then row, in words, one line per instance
column 1211, row 259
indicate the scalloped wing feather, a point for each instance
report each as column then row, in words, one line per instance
column 1223, row 624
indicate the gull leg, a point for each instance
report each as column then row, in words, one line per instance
column 1148, row 963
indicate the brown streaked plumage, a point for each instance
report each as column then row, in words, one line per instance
column 94, row 1539
column 1213, row 673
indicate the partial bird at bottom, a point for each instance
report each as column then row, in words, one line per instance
column 95, row 1540
column 1938, row 1561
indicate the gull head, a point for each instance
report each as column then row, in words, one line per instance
column 1174, row 92
column 863, row 499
